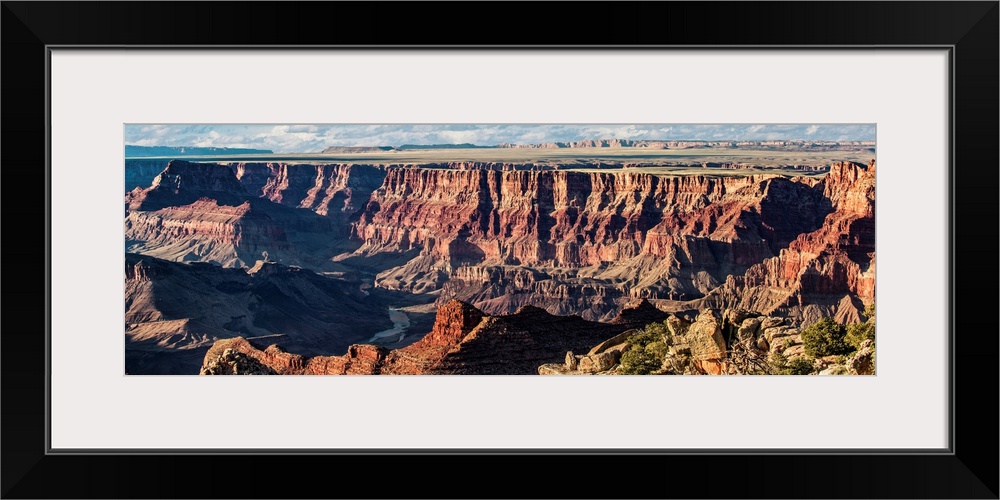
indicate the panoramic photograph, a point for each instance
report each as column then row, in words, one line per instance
column 499, row 249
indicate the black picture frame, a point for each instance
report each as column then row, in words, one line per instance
column 969, row 29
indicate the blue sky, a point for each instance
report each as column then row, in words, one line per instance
column 314, row 138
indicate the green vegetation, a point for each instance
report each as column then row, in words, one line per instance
column 860, row 332
column 826, row 337
column 648, row 350
column 798, row 366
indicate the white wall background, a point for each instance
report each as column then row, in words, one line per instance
column 95, row 92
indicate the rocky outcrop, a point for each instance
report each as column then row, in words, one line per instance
column 738, row 342
column 704, row 340
column 231, row 362
column 860, row 362
column 602, row 359
column 463, row 341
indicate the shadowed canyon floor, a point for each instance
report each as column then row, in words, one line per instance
column 497, row 267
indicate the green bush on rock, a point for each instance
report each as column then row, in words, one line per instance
column 647, row 350
column 798, row 366
column 860, row 332
column 826, row 337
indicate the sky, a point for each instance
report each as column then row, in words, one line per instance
column 315, row 138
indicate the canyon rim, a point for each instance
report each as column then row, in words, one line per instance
column 500, row 249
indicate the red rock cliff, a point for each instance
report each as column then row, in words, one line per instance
column 646, row 235
column 826, row 272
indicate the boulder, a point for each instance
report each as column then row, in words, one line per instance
column 771, row 322
column 677, row 326
column 835, row 369
column 738, row 316
column 553, row 369
column 705, row 337
column 795, row 351
column 711, row 366
column 570, row 361
column 762, row 343
column 680, row 348
column 862, row 362
column 613, row 341
column 779, row 344
column 593, row 363
column 777, row 331
column 233, row 362
column 748, row 329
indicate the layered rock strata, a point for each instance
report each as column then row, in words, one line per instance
column 579, row 241
column 826, row 272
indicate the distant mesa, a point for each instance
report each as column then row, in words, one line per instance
column 145, row 151
column 404, row 147
column 133, row 151
column 465, row 145
column 782, row 145
column 683, row 144
column 357, row 149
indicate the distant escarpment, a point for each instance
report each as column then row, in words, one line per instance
column 779, row 145
column 357, row 149
column 464, row 340
column 174, row 311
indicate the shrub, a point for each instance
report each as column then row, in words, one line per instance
column 639, row 361
column 647, row 350
column 826, row 337
column 860, row 332
column 798, row 366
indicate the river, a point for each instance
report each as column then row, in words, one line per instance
column 400, row 323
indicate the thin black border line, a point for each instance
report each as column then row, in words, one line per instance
column 48, row 250
column 341, row 48
column 948, row 450
column 492, row 451
column 950, row 250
